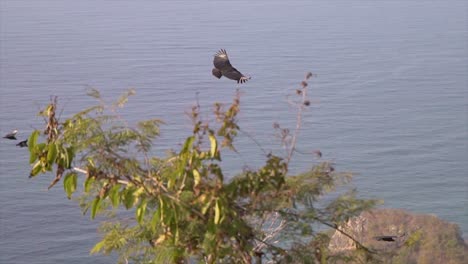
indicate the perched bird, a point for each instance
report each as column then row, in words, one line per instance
column 222, row 67
column 22, row 144
column 11, row 135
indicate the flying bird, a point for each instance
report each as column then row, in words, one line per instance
column 22, row 144
column 222, row 67
column 11, row 135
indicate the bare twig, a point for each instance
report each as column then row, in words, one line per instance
column 86, row 172
column 254, row 140
column 272, row 231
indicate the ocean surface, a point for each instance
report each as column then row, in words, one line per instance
column 389, row 102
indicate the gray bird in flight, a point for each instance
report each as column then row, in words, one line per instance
column 222, row 67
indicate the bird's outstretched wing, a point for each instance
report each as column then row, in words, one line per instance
column 234, row 74
column 221, row 60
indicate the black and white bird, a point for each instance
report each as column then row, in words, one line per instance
column 11, row 135
column 22, row 144
column 222, row 67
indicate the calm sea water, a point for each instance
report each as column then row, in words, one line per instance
column 389, row 103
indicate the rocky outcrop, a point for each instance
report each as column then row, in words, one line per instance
column 402, row 237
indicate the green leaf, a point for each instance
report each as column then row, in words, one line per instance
column 88, row 183
column 36, row 169
column 161, row 209
column 69, row 183
column 98, row 247
column 217, row 213
column 66, row 157
column 32, row 140
column 206, row 207
column 128, row 198
column 40, row 147
column 32, row 157
column 52, row 153
column 47, row 167
column 70, row 156
column 196, row 177
column 188, row 144
column 114, row 195
column 155, row 219
column 62, row 160
column 214, row 145
column 95, row 207
column 140, row 211
column 171, row 183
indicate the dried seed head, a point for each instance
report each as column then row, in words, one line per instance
column 306, row 102
column 298, row 91
column 304, row 84
column 309, row 74
column 276, row 125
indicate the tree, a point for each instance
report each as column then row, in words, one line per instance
column 184, row 208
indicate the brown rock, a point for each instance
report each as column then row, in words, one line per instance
column 402, row 237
